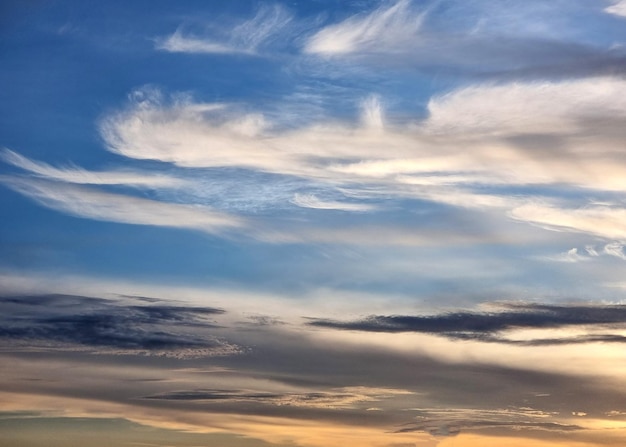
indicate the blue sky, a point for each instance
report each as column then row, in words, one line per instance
column 252, row 210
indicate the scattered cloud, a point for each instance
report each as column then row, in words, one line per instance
column 615, row 249
column 248, row 37
column 388, row 28
column 618, row 8
column 520, row 41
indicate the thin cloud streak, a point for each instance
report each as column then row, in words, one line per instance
column 247, row 38
column 385, row 29
column 82, row 176
column 487, row 327
column 311, row 201
column 98, row 205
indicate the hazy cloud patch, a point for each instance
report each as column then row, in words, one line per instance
column 105, row 326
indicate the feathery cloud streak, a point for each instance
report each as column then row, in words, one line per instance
column 82, row 176
column 248, row 37
column 94, row 204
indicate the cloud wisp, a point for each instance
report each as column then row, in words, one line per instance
column 82, row 176
column 388, row 28
column 249, row 37
column 618, row 8
column 477, row 38
column 94, row 204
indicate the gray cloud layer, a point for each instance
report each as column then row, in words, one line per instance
column 78, row 322
column 486, row 326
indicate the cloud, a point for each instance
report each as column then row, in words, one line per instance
column 85, row 177
column 513, row 109
column 98, row 205
column 311, row 201
column 50, row 322
column 488, row 326
column 248, row 37
column 618, row 8
column 451, row 422
column 515, row 40
column 387, row 28
column 503, row 129
column 615, row 249
column 348, row 397
column 601, row 220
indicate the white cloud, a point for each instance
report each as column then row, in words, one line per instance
column 245, row 38
column 78, row 175
column 618, row 8
column 571, row 255
column 388, row 28
column 527, row 108
column 615, row 249
column 311, row 201
column 603, row 221
column 535, row 133
column 93, row 204
column 178, row 43
column 543, row 134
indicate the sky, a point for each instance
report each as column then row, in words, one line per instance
column 380, row 223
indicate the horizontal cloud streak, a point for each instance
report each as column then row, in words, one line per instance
column 487, row 326
column 603, row 221
column 105, row 326
column 506, row 40
column 311, row 201
column 337, row 398
column 98, row 205
column 85, row 177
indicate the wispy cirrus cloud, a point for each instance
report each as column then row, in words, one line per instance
column 248, row 37
column 312, row 201
column 78, row 175
column 503, row 141
column 599, row 220
column 385, row 29
column 99, row 205
column 526, row 40
column 503, row 129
